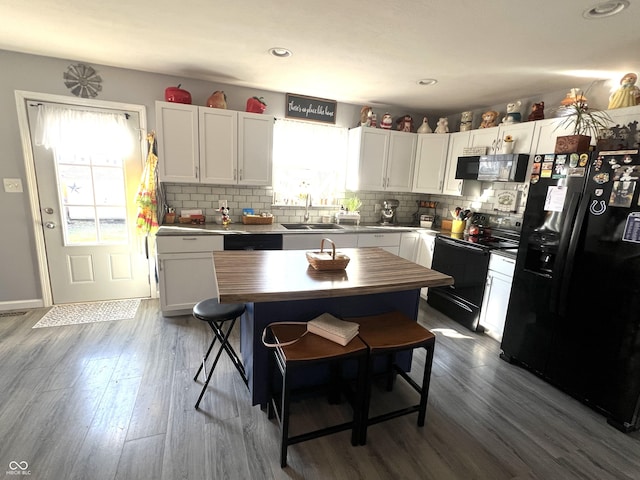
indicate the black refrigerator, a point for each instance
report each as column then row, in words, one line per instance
column 574, row 310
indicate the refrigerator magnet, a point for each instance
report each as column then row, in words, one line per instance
column 584, row 158
column 573, row 160
column 632, row 228
column 622, row 194
column 577, row 172
column 601, row 178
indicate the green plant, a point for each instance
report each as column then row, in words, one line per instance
column 582, row 119
column 352, row 204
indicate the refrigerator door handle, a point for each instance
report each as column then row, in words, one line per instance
column 562, row 257
column 571, row 255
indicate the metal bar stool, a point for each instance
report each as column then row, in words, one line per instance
column 216, row 314
column 386, row 335
column 312, row 350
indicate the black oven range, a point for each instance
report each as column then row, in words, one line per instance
column 466, row 258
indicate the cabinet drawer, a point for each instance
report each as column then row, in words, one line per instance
column 501, row 264
column 379, row 239
column 190, row 243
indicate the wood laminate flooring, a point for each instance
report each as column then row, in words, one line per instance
column 114, row 400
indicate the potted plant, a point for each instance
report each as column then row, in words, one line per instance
column 584, row 121
column 352, row 204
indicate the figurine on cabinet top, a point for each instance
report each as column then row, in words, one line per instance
column 424, row 128
column 218, row 99
column 442, row 126
column 628, row 95
column 386, row 122
column 365, row 116
column 537, row 112
column 489, row 119
column 405, row 123
column 513, row 113
column 466, row 121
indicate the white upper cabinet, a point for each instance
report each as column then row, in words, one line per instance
column 213, row 146
column 457, row 143
column 255, row 148
column 431, row 161
column 522, row 134
column 384, row 159
column 177, row 134
column 218, row 146
column 546, row 132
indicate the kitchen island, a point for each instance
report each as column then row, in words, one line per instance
column 279, row 285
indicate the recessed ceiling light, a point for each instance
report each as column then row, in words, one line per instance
column 427, row 81
column 280, row 52
column 605, row 9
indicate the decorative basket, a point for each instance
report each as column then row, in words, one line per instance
column 257, row 220
column 327, row 261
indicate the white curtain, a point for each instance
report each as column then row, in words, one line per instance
column 73, row 132
column 308, row 158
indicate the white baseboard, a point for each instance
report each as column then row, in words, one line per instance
column 21, row 304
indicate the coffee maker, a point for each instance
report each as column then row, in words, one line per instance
column 388, row 213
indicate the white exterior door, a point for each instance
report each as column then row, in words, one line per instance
column 88, row 213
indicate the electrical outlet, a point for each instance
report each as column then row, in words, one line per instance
column 377, row 207
column 222, row 203
column 12, row 185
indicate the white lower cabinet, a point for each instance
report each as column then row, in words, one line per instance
column 409, row 245
column 496, row 295
column 387, row 241
column 186, row 274
column 424, row 253
column 312, row 241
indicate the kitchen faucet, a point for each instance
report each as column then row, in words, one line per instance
column 306, row 208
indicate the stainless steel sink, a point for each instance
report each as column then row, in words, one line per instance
column 311, row 226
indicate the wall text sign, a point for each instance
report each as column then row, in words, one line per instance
column 311, row 108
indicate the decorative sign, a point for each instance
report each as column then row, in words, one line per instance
column 311, row 108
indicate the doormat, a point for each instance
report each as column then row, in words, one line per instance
column 78, row 313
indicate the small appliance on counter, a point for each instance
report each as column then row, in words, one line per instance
column 388, row 212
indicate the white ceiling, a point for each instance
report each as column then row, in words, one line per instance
column 353, row 51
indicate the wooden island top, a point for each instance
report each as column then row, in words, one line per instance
column 283, row 275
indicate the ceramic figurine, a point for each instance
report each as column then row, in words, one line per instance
column 365, row 116
column 513, row 113
column 386, row 122
column 442, row 126
column 466, row 121
column 374, row 120
column 218, row 99
column 405, row 124
column 537, row 112
column 226, row 220
column 628, row 95
column 424, row 128
column 489, row 119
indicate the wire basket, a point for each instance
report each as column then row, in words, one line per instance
column 327, row 261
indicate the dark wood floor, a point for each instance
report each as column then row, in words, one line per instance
column 114, row 400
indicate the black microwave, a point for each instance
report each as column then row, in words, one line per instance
column 493, row 168
column 468, row 168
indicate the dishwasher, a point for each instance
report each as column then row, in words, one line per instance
column 253, row 241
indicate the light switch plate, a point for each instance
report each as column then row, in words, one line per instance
column 12, row 185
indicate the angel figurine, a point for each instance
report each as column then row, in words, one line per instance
column 628, row 95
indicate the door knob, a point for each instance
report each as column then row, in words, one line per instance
column 48, row 210
column 50, row 225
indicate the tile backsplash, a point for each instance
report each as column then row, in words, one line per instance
column 206, row 197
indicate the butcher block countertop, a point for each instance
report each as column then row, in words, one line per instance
column 282, row 275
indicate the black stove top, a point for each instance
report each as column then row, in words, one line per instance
column 496, row 241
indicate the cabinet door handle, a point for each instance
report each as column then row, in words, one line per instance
column 160, row 265
column 240, row 175
column 197, row 169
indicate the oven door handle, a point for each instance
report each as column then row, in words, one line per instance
column 453, row 243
